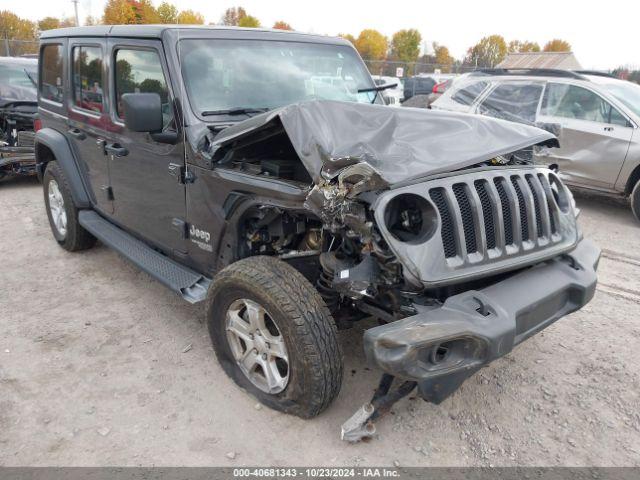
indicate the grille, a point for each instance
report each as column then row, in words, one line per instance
column 514, row 209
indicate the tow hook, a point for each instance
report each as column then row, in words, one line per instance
column 360, row 426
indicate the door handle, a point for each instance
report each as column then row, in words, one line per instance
column 608, row 129
column 77, row 133
column 116, row 150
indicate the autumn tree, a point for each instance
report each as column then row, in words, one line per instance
column 517, row 46
column 119, row 12
column 280, row 25
column 557, row 45
column 488, row 52
column 249, row 21
column 167, row 13
column 16, row 28
column 145, row 12
column 348, row 36
column 442, row 57
column 189, row 17
column 233, row 15
column 405, row 45
column 48, row 23
column 371, row 45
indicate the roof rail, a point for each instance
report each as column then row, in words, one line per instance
column 530, row 72
column 596, row 73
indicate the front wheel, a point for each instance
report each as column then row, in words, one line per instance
column 274, row 336
column 635, row 201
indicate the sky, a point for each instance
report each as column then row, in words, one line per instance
column 603, row 34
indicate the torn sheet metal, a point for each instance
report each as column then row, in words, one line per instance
column 399, row 143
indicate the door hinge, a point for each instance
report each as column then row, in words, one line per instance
column 181, row 173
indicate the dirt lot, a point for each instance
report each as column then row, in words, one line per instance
column 96, row 369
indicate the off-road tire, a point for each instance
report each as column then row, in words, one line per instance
column 306, row 325
column 76, row 237
column 635, row 200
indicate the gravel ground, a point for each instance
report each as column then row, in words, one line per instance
column 100, row 365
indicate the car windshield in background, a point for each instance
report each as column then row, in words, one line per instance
column 627, row 92
column 232, row 75
column 18, row 81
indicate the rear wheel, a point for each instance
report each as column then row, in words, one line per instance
column 274, row 336
column 62, row 212
column 635, row 201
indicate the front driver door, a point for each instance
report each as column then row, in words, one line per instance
column 594, row 136
column 148, row 198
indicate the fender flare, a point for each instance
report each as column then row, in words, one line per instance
column 59, row 146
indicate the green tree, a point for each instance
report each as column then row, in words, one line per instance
column 167, row 13
column 249, row 21
column 405, row 45
column 189, row 17
column 488, row 52
column 557, row 45
column 517, row 46
column 233, row 15
column 371, row 45
column 280, row 25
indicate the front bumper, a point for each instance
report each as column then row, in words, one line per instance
column 441, row 347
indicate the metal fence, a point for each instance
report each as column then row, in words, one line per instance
column 18, row 48
column 409, row 69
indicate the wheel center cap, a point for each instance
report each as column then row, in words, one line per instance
column 260, row 343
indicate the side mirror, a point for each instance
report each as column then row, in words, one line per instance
column 554, row 128
column 142, row 112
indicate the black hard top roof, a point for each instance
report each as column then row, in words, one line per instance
column 157, row 31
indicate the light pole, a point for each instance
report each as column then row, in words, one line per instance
column 75, row 7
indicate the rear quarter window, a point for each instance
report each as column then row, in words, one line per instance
column 51, row 87
column 468, row 94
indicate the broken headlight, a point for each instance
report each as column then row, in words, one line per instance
column 411, row 218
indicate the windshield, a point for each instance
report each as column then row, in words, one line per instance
column 16, row 77
column 627, row 93
column 226, row 75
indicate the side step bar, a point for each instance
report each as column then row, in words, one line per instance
column 185, row 282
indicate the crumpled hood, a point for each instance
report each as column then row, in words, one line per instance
column 400, row 143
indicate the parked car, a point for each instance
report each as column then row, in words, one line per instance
column 595, row 116
column 393, row 96
column 423, row 84
column 292, row 207
column 18, row 114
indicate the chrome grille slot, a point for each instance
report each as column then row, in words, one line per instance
column 487, row 213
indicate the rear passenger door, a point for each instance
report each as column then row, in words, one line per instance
column 88, row 118
column 149, row 198
column 594, row 136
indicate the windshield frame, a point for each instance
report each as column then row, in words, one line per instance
column 262, row 36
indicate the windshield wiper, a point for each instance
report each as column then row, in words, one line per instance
column 234, row 111
column 377, row 88
column 35, row 84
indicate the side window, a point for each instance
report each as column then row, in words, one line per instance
column 87, row 78
column 570, row 101
column 513, row 101
column 467, row 95
column 140, row 71
column 51, row 84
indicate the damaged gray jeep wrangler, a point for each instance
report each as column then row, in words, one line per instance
column 259, row 172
